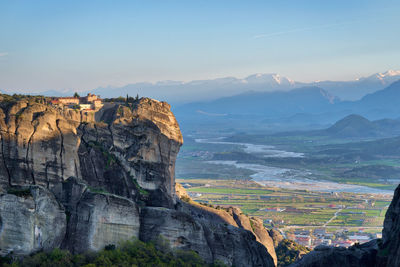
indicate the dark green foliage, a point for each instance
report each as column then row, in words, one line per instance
column 76, row 95
column 110, row 247
column 20, row 192
column 98, row 190
column 126, row 100
column 383, row 251
column 115, row 99
column 111, row 159
column 288, row 252
column 129, row 253
column 6, row 101
column 142, row 191
column 252, row 225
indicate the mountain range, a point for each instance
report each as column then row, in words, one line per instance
column 300, row 106
column 180, row 92
column 206, row 90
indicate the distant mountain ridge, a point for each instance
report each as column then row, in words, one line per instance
column 305, row 99
column 355, row 90
column 356, row 126
column 206, row 90
column 179, row 92
column 299, row 106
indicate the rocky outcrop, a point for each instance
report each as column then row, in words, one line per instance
column 256, row 226
column 355, row 256
column 30, row 220
column 131, row 148
column 222, row 227
column 276, row 236
column 125, row 148
column 96, row 179
column 263, row 237
column 181, row 193
column 389, row 253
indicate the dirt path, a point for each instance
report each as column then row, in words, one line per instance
column 333, row 217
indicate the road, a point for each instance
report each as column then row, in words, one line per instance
column 333, row 217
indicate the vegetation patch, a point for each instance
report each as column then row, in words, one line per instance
column 109, row 157
column 142, row 191
column 129, row 253
column 98, row 190
column 288, row 252
column 20, row 192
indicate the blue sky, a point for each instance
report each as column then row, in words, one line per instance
column 86, row 44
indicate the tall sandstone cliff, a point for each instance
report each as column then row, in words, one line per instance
column 82, row 180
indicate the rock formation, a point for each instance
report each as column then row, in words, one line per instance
column 31, row 220
column 81, row 180
column 276, row 236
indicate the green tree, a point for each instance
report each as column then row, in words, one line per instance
column 76, row 95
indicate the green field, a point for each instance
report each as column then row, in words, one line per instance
column 297, row 208
column 338, row 160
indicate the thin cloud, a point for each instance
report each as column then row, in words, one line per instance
column 3, row 54
column 267, row 35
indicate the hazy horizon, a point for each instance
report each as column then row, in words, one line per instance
column 74, row 45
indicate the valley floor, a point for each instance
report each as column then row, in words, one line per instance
column 308, row 217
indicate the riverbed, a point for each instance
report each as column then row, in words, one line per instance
column 286, row 178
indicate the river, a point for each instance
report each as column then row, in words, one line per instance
column 286, row 178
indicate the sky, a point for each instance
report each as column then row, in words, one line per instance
column 79, row 45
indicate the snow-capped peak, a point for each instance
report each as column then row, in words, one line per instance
column 384, row 77
column 389, row 73
column 269, row 78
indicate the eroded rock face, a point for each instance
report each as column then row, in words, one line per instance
column 38, row 145
column 100, row 220
column 276, row 236
column 255, row 226
column 180, row 229
column 263, row 237
column 133, row 146
column 100, row 178
column 31, row 220
column 212, row 239
column 390, row 248
column 124, row 148
column 227, row 238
